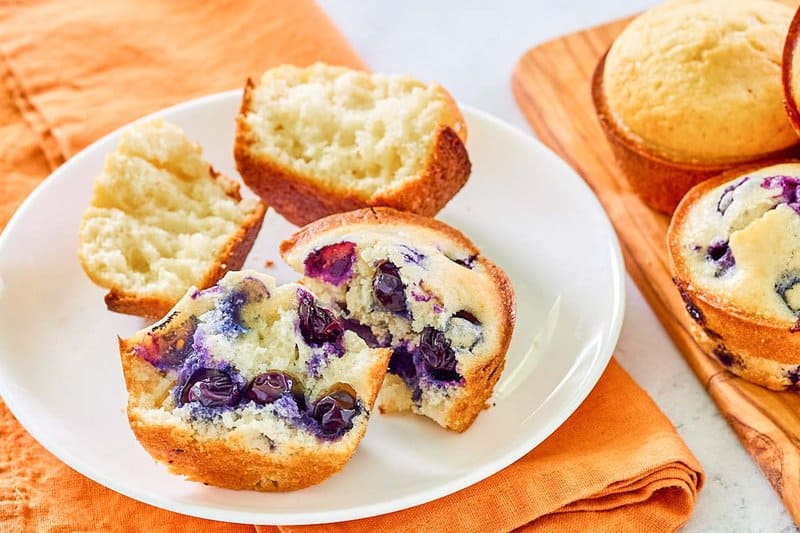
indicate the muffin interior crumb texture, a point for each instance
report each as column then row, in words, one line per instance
column 159, row 218
column 347, row 129
column 700, row 80
column 247, row 361
column 418, row 296
column 741, row 242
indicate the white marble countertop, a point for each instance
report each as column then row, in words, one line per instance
column 471, row 47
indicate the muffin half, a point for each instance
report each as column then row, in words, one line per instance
column 162, row 220
column 322, row 139
column 421, row 288
column 249, row 385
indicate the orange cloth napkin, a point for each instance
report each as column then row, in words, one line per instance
column 74, row 70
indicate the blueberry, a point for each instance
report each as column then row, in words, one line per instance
column 691, row 307
column 725, row 356
column 335, row 411
column 402, row 364
column 333, row 263
column 211, row 388
column 412, row 255
column 269, row 386
column 317, row 324
column 439, row 357
column 720, row 253
column 169, row 349
column 785, row 284
column 466, row 262
column 469, row 317
column 388, row 288
column 712, row 334
column 793, row 375
column 726, row 198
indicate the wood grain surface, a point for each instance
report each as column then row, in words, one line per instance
column 551, row 83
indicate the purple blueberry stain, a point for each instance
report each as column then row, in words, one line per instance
column 288, row 407
column 363, row 331
column 789, row 190
column 229, row 309
column 214, row 289
column 726, row 198
column 388, row 288
column 412, row 255
column 720, row 253
column 332, row 263
column 321, row 355
column 420, row 297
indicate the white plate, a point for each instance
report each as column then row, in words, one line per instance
column 60, row 372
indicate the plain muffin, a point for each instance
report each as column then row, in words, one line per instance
column 695, row 86
column 162, row 220
column 322, row 139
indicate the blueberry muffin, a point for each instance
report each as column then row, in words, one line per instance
column 692, row 88
column 734, row 245
column 162, row 220
column 246, row 385
column 423, row 289
column 322, row 139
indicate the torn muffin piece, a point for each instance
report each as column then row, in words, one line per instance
column 249, row 385
column 423, row 289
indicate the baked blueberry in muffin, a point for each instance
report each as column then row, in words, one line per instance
column 421, row 288
column 734, row 244
column 248, row 385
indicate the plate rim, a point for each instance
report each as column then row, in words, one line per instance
column 364, row 511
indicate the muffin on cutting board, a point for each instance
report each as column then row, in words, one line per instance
column 734, row 246
column 250, row 385
column 423, row 289
column 322, row 139
column 692, row 88
column 161, row 220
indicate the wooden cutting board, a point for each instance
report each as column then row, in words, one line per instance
column 551, row 83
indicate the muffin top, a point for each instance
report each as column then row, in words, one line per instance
column 699, row 81
column 739, row 241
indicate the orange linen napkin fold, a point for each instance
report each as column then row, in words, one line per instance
column 73, row 70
